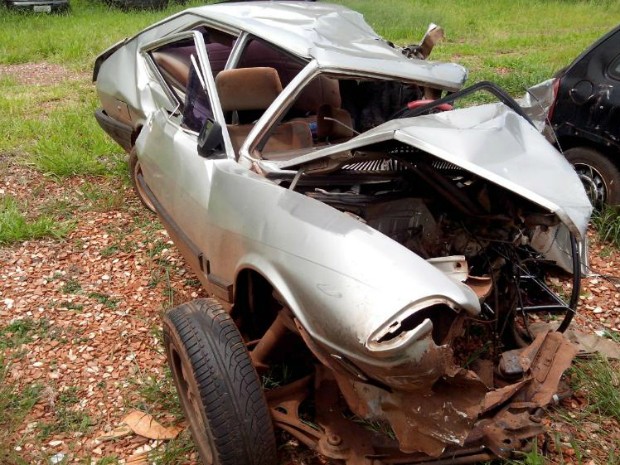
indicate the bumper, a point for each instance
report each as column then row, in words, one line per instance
column 118, row 131
column 38, row 6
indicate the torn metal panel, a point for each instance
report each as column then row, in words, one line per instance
column 490, row 141
column 457, row 408
column 431, row 404
column 548, row 357
column 555, row 244
column 430, row 421
column 452, row 419
column 587, row 344
column 508, row 430
column 434, row 34
column 537, row 101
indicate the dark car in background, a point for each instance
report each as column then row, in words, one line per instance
column 139, row 4
column 585, row 117
column 38, row 6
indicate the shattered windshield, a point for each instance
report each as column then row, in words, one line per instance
column 334, row 109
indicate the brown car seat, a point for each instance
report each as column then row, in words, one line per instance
column 251, row 89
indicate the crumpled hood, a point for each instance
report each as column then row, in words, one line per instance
column 495, row 143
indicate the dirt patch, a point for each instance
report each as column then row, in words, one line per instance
column 599, row 306
column 86, row 316
column 86, row 313
column 40, row 74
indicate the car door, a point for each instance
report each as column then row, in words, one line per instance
column 591, row 92
column 178, row 179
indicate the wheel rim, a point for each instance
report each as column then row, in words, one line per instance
column 192, row 406
column 593, row 183
column 137, row 174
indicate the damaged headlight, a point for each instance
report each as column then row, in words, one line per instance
column 432, row 318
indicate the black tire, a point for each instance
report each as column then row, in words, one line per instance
column 134, row 171
column 599, row 175
column 218, row 387
column 143, row 4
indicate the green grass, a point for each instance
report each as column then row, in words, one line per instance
column 21, row 332
column 71, row 286
column 109, row 460
column 157, row 393
column 15, row 226
column 51, row 125
column 607, row 225
column 174, row 452
column 515, row 44
column 74, row 38
column 68, row 416
column 71, row 143
column 104, row 299
column 105, row 198
column 599, row 380
column 14, row 406
column 533, row 457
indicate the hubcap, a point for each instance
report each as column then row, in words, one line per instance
column 593, row 183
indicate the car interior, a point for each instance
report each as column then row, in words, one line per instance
column 328, row 110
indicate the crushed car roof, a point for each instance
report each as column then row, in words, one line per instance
column 333, row 35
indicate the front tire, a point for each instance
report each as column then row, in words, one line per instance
column 599, row 175
column 218, row 387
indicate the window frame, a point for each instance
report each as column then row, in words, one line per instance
column 613, row 69
column 204, row 68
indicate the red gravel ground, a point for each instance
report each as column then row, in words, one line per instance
column 95, row 300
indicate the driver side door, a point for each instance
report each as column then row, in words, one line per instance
column 175, row 177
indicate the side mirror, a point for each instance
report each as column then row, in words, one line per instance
column 210, row 139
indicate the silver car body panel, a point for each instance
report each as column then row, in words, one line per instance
column 253, row 223
column 357, row 297
column 333, row 35
column 537, row 101
column 241, row 220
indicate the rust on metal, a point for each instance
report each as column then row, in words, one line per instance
column 266, row 344
column 481, row 285
column 429, row 410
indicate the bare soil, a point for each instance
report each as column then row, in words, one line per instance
column 39, row 74
column 98, row 295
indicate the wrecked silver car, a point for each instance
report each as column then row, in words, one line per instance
column 377, row 248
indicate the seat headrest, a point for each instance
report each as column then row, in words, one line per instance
column 322, row 90
column 247, row 88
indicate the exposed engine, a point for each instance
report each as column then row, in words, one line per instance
column 432, row 208
column 438, row 210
